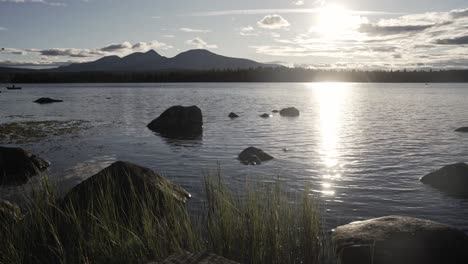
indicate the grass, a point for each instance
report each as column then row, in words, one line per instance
column 264, row 225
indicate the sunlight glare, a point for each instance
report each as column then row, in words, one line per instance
column 334, row 21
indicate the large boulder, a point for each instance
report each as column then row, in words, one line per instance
column 18, row 165
column 400, row 239
column 126, row 185
column 179, row 122
column 451, row 178
column 47, row 100
column 253, row 156
column 462, row 129
column 289, row 111
column 233, row 115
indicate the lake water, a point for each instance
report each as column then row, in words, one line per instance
column 361, row 147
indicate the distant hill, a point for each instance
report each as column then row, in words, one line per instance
column 198, row 59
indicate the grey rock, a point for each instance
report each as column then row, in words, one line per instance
column 265, row 115
column 462, row 129
column 253, row 156
column 17, row 165
column 233, row 115
column 47, row 100
column 179, row 122
column 451, row 178
column 400, row 239
column 289, row 111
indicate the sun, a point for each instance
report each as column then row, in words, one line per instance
column 335, row 21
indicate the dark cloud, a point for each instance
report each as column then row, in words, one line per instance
column 453, row 41
column 116, row 47
column 374, row 29
column 76, row 53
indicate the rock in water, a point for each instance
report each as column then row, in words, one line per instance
column 127, row 185
column 275, row 111
column 233, row 115
column 253, row 156
column 18, row 165
column 47, row 100
column 451, row 178
column 462, row 129
column 400, row 239
column 265, row 115
column 289, row 111
column 179, row 122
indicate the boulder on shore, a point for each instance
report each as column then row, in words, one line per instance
column 400, row 239
column 233, row 115
column 127, row 185
column 18, row 165
column 289, row 111
column 452, row 178
column 253, row 156
column 179, row 122
column 47, row 100
column 462, row 129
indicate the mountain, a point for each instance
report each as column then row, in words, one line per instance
column 198, row 59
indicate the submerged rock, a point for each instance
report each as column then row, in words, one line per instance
column 289, row 111
column 253, row 156
column 18, row 165
column 233, row 115
column 400, row 239
column 451, row 178
column 179, row 122
column 462, row 129
column 126, row 184
column 265, row 115
column 47, row 100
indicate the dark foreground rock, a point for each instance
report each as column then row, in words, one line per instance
column 451, row 178
column 265, row 115
column 126, row 184
column 462, row 129
column 233, row 115
column 9, row 213
column 195, row 258
column 253, row 156
column 289, row 111
column 179, row 122
column 47, row 100
column 400, row 239
column 18, row 165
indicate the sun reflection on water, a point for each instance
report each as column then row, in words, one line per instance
column 331, row 98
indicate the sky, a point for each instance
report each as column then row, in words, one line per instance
column 321, row 34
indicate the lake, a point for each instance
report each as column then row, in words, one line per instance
column 361, row 147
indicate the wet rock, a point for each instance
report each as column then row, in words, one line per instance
column 451, row 178
column 289, row 111
column 9, row 213
column 400, row 239
column 275, row 111
column 253, row 156
column 126, row 184
column 265, row 115
column 47, row 100
column 462, row 129
column 18, row 165
column 179, row 122
column 233, row 115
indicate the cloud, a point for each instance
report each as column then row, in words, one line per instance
column 35, row 2
column 116, row 47
column 200, row 43
column 145, row 46
column 459, row 13
column 168, row 36
column 463, row 40
column 273, row 22
column 298, row 2
column 193, row 30
column 12, row 51
column 3, row 28
column 376, row 29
